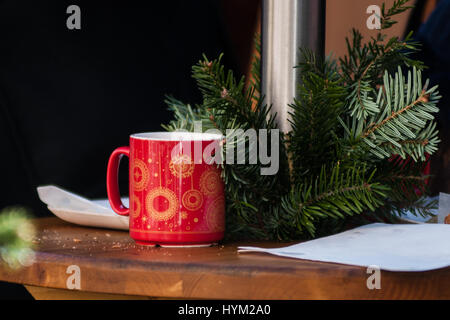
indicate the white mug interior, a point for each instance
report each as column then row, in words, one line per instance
column 177, row 136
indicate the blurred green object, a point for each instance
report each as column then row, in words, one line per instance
column 16, row 236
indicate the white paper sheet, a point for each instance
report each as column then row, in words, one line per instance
column 399, row 247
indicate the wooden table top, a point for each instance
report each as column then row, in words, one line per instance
column 110, row 262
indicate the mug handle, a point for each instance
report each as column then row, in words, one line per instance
column 112, row 181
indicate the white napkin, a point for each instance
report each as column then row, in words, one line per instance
column 399, row 247
column 56, row 197
column 76, row 209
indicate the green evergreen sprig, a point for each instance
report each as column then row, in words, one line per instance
column 399, row 6
column 228, row 105
column 333, row 194
column 405, row 126
column 314, row 117
column 362, row 130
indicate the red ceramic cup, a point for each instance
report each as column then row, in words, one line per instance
column 176, row 194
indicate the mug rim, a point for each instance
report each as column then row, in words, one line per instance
column 176, row 136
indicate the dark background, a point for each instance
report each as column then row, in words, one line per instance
column 69, row 97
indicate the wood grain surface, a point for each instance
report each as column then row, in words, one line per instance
column 111, row 263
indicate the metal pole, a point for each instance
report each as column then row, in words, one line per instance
column 287, row 26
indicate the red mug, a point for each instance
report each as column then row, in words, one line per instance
column 176, row 197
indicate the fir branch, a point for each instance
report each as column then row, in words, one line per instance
column 348, row 120
column 399, row 6
column 185, row 116
column 404, row 118
column 310, row 63
column 376, row 126
column 229, row 106
column 333, row 194
column 365, row 65
column 313, row 116
column 422, row 207
column 409, row 187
